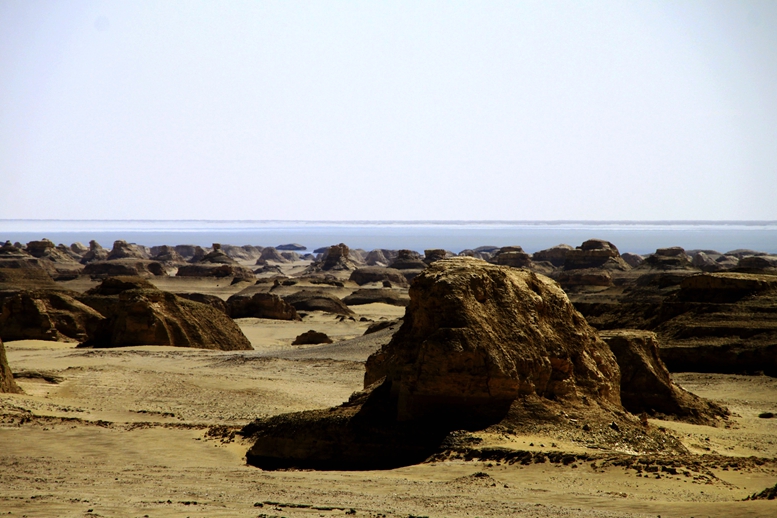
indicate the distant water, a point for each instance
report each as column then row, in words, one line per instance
column 628, row 236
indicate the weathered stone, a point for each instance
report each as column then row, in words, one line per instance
column 646, row 385
column 370, row 274
column 123, row 250
column 294, row 247
column 632, row 260
column 407, row 260
column 477, row 336
column 45, row 315
column 138, row 315
column 315, row 300
column 372, row 295
column 555, row 255
column 216, row 270
column 7, row 383
column 261, row 305
column 595, row 253
column 312, row 338
column 435, row 254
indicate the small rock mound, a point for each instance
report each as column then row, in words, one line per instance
column 646, row 385
column 7, row 383
column 261, row 305
column 312, row 338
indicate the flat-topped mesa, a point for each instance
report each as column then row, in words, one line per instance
column 7, row 383
column 477, row 336
column 595, row 253
column 512, row 256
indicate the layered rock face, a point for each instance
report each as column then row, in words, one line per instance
column 556, row 255
column 46, row 315
column 136, row 314
column 477, row 336
column 336, row 258
column 7, row 383
column 372, row 295
column 595, row 253
column 317, row 300
column 407, row 260
column 512, row 256
column 123, row 250
column 261, row 305
column 646, row 385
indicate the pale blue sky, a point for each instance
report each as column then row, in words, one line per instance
column 388, row 110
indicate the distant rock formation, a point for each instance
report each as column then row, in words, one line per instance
column 373, row 295
column 166, row 254
column 555, row 255
column 206, row 269
column 632, row 260
column 511, row 256
column 124, row 267
column 138, row 314
column 646, row 385
column 668, row 259
column 271, row 254
column 7, row 383
column 95, row 253
column 407, row 260
column 379, row 257
column 337, row 258
column 294, row 247
column 370, row 274
column 123, row 250
column 261, row 305
column 435, row 254
column 316, row 300
column 595, row 253
column 312, row 338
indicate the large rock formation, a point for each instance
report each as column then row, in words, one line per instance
column 46, row 315
column 646, row 385
column 479, row 344
column 219, row 270
column 476, row 337
column 124, row 267
column 261, row 305
column 138, row 314
column 512, row 256
column 7, row 383
column 293, row 247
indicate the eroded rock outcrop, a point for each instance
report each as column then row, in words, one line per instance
column 595, row 253
column 7, row 383
column 312, row 337
column 479, row 344
column 373, row 295
column 138, row 314
column 407, row 260
column 46, row 315
column 261, row 305
column 646, row 385
column 123, row 250
column 370, row 274
column 476, row 337
column 555, row 255
column 317, row 300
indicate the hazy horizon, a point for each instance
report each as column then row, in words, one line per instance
column 395, row 111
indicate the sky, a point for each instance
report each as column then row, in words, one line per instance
column 519, row 110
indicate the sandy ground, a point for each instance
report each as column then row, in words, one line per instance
column 138, row 431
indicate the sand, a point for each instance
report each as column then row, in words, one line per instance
column 147, row 431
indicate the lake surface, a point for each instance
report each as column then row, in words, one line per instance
column 628, row 236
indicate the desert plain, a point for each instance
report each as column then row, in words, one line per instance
column 155, row 430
